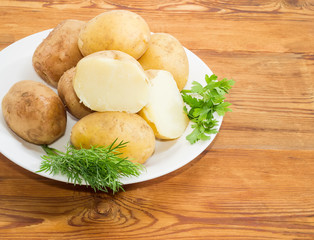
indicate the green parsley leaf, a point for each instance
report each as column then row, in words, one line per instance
column 201, row 104
column 197, row 88
column 222, row 108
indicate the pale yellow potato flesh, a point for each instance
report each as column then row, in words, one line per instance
column 111, row 81
column 164, row 111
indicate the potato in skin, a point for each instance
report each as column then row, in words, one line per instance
column 120, row 30
column 58, row 52
column 68, row 96
column 103, row 128
column 165, row 52
column 34, row 112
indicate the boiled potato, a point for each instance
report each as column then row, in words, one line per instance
column 34, row 112
column 58, row 52
column 68, row 96
column 165, row 52
column 111, row 81
column 164, row 111
column 102, row 129
column 115, row 30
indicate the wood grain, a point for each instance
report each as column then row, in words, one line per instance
column 254, row 182
column 240, row 197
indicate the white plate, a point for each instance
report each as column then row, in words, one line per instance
column 16, row 65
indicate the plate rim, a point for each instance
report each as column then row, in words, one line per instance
column 10, row 156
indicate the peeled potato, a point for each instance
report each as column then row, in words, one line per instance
column 102, row 129
column 164, row 111
column 68, row 95
column 111, row 81
column 165, row 52
column 115, row 30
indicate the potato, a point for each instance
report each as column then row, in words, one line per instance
column 165, row 52
column 115, row 30
column 111, row 81
column 164, row 111
column 102, row 129
column 34, row 112
column 58, row 52
column 68, row 96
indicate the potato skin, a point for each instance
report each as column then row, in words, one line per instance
column 34, row 112
column 58, row 52
column 68, row 96
column 165, row 52
column 102, row 128
column 117, row 55
column 120, row 30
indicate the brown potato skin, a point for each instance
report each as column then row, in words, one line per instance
column 58, row 52
column 68, row 96
column 103, row 128
column 121, row 30
column 115, row 54
column 165, row 52
column 34, row 112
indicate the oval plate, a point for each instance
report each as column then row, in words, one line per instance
column 16, row 65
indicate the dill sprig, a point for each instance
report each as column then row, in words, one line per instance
column 99, row 167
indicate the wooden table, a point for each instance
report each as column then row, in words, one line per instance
column 256, row 181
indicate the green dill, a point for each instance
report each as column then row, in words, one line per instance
column 99, row 167
column 203, row 102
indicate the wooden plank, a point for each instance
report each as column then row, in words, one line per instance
column 268, row 196
column 221, row 29
column 277, row 89
column 254, row 182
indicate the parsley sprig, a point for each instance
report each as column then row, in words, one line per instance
column 203, row 102
column 99, row 167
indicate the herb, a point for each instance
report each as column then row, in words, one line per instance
column 100, row 167
column 203, row 102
